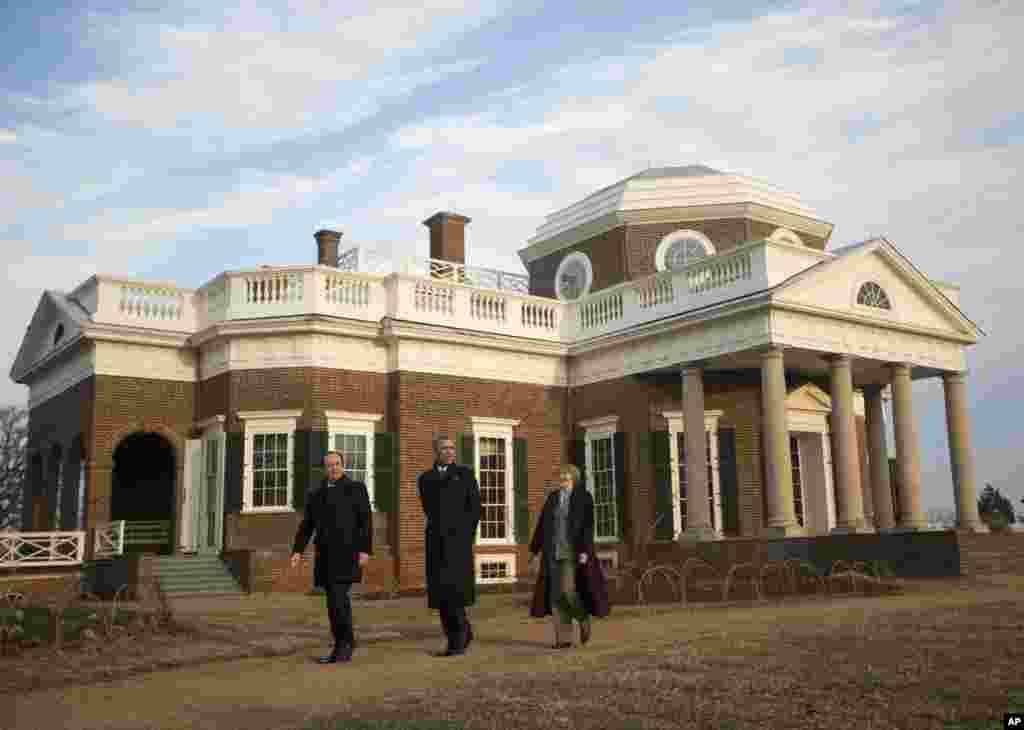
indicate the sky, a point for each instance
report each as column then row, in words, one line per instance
column 171, row 143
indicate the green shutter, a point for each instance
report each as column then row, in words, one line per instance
column 300, row 469
column 521, row 478
column 233, row 445
column 319, row 445
column 619, row 457
column 467, row 451
column 728, row 480
column 385, row 472
column 663, row 507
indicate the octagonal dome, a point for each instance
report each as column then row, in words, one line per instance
column 665, row 190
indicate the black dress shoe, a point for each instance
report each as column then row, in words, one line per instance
column 343, row 654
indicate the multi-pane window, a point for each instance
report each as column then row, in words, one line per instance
column 494, row 492
column 603, row 477
column 798, row 487
column 681, row 445
column 872, row 295
column 494, row 569
column 353, row 453
column 210, row 503
column 270, row 470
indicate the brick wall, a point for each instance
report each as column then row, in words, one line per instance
column 642, row 240
column 987, row 554
column 605, row 252
column 128, row 405
column 639, row 403
column 627, row 253
column 429, row 404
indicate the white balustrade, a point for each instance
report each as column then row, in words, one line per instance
column 19, row 549
column 715, row 272
column 433, row 298
column 655, row 291
column 346, row 291
column 540, row 316
column 450, row 294
column 109, row 539
column 485, row 305
column 600, row 311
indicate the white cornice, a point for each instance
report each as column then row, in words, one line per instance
column 267, row 415
column 403, row 329
column 301, row 324
column 498, row 424
column 874, row 322
column 339, row 418
column 134, row 335
column 599, row 423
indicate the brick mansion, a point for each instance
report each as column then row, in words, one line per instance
column 686, row 336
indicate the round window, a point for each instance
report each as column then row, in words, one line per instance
column 573, row 277
column 679, row 249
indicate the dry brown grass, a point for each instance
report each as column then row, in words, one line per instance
column 945, row 654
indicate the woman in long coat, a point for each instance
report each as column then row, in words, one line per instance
column 571, row 584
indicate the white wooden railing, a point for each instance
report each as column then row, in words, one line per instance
column 26, row 549
column 108, row 539
column 446, row 293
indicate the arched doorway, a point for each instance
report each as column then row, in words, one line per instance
column 143, row 491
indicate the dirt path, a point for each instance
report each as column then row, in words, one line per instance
column 653, row 667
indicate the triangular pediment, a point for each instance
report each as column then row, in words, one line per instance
column 53, row 313
column 809, row 397
column 914, row 300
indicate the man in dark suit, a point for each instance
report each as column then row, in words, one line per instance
column 338, row 510
column 450, row 497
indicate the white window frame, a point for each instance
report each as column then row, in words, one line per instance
column 676, row 427
column 266, row 422
column 508, row 558
column 350, row 423
column 665, row 245
column 502, row 428
column 563, row 264
column 601, row 428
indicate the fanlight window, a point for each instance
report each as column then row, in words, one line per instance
column 680, row 249
column 574, row 276
column 872, row 295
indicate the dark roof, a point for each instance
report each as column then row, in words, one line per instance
column 684, row 171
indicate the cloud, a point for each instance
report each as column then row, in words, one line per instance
column 8, row 136
column 254, row 204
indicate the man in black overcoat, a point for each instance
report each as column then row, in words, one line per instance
column 450, row 497
column 338, row 510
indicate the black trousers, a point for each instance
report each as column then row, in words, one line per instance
column 339, row 611
column 454, row 621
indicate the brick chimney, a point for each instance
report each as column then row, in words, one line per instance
column 327, row 247
column 447, row 236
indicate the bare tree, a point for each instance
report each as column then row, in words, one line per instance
column 13, row 443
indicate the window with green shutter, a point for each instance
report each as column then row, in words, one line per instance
column 521, row 497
